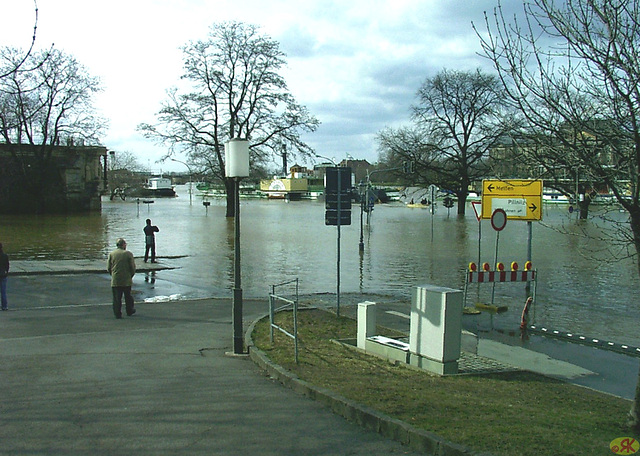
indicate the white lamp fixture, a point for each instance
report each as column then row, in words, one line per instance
column 236, row 156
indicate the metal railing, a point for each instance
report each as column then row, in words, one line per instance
column 275, row 298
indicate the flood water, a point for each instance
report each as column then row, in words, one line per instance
column 581, row 287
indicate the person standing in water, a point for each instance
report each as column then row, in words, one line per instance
column 150, row 241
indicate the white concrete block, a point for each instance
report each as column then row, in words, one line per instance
column 436, row 323
column 366, row 322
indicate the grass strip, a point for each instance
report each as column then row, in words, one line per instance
column 504, row 413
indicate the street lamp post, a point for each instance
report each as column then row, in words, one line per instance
column 237, row 167
column 190, row 179
column 332, row 160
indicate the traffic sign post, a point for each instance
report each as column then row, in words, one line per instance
column 337, row 195
column 521, row 199
column 498, row 219
column 477, row 211
column 337, row 192
column 498, row 222
column 512, row 187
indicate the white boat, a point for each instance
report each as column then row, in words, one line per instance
column 555, row 197
column 159, row 186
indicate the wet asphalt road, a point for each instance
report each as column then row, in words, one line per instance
column 613, row 373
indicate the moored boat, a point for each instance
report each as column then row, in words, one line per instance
column 555, row 197
column 298, row 184
column 158, row 186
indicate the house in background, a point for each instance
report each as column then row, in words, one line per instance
column 359, row 169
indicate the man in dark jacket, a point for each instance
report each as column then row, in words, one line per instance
column 150, row 241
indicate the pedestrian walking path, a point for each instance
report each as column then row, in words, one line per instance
column 76, row 381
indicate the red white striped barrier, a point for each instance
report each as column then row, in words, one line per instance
column 500, row 276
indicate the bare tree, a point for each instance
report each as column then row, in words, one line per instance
column 457, row 120
column 20, row 62
column 48, row 105
column 410, row 145
column 573, row 70
column 236, row 91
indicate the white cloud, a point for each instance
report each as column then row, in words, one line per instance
column 355, row 64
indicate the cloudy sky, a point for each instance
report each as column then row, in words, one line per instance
column 355, row 64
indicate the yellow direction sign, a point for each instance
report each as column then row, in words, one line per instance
column 512, row 187
column 521, row 199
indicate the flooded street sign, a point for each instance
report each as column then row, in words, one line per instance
column 521, row 199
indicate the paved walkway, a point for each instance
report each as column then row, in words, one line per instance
column 76, row 381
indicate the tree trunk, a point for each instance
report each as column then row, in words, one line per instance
column 462, row 203
column 634, row 413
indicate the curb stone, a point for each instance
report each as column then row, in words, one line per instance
column 368, row 418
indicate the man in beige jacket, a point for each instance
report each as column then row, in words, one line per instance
column 122, row 268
